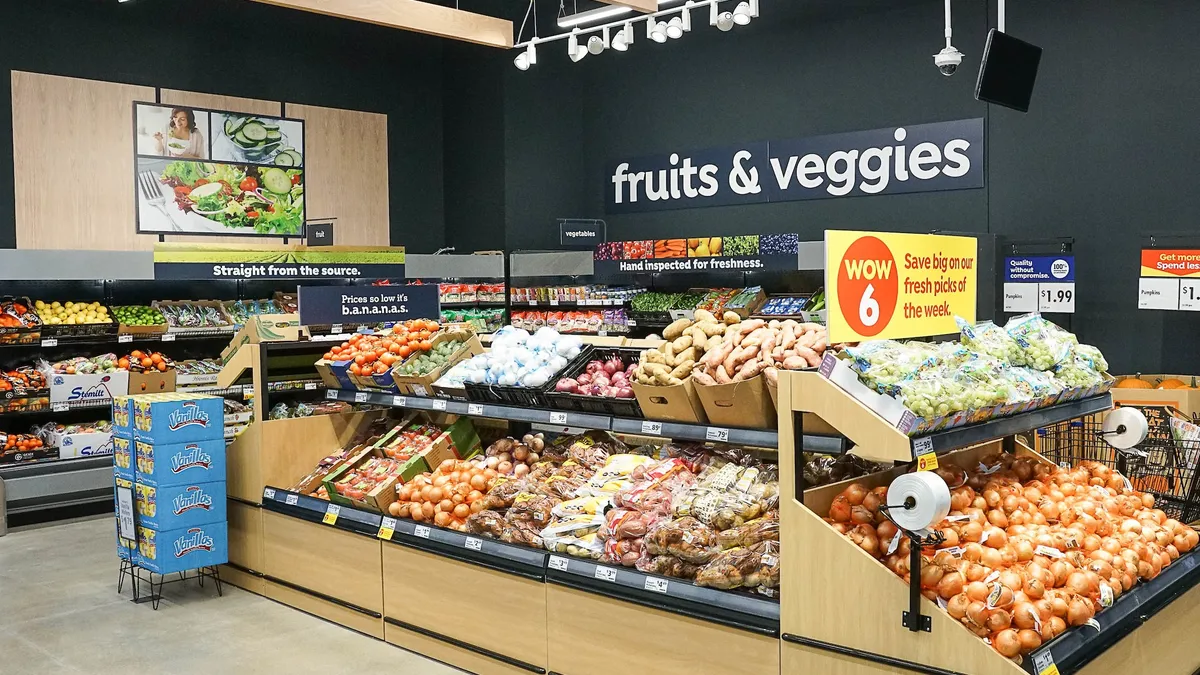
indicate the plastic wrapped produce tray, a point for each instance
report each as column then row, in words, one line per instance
column 617, row 407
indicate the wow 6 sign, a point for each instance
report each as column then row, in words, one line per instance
column 886, row 285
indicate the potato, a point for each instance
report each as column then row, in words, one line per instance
column 688, row 354
column 712, row 328
column 652, row 357
column 681, row 343
column 663, row 379
column 714, row 245
column 699, row 340
column 683, row 370
column 676, row 328
column 669, row 353
column 730, row 318
column 656, row 369
column 704, row 316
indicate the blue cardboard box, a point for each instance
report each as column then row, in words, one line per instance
column 179, row 506
column 186, row 548
column 170, row 418
column 122, row 416
column 180, row 463
column 122, row 456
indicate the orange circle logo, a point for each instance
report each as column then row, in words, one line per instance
column 868, row 285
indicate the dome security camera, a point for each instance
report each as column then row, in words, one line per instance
column 948, row 60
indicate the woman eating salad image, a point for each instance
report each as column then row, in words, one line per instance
column 182, row 137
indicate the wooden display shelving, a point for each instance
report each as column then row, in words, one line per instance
column 842, row 614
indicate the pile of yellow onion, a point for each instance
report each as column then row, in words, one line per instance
column 1029, row 548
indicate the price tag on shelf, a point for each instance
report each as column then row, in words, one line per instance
column 927, row 462
column 310, row 386
column 1189, row 295
column 1056, row 298
column 1020, row 297
column 336, row 329
column 122, row 339
column 922, row 446
column 474, row 409
column 554, row 303
column 656, row 584
column 558, row 563
column 1043, row 664
column 605, row 573
column 717, row 434
column 247, row 393
column 361, row 397
column 474, row 543
column 331, row 394
column 60, row 407
column 558, row 418
column 439, row 404
column 602, row 333
column 1158, row 293
column 421, row 531
column 269, row 493
column 631, row 323
column 50, row 342
column 331, row 514
column 168, row 337
column 652, row 428
column 291, row 500
column 399, row 401
column 387, row 528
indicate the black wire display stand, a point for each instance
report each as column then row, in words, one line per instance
column 136, row 579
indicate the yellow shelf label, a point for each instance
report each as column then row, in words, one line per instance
column 927, row 462
column 331, row 514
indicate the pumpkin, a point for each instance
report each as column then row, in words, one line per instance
column 1133, row 383
column 1171, row 383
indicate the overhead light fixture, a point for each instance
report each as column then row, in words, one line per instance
column 675, row 28
column 596, row 44
column 656, row 30
column 575, row 50
column 528, row 57
column 722, row 20
column 624, row 37
column 599, row 14
column 745, row 11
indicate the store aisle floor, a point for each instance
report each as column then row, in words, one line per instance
column 60, row 613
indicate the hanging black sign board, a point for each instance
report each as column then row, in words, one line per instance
column 323, row 305
column 581, row 233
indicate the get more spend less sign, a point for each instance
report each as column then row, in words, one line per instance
column 883, row 285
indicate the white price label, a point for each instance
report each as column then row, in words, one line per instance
column 60, row 407
column 421, row 531
column 50, row 342
column 653, row 428
column 399, row 401
column 631, row 323
column 474, row 543
column 1043, row 663
column 125, row 523
column 420, row 390
column 1156, row 293
column 168, row 337
column 1048, row 552
column 602, row 333
column 1189, row 295
column 269, row 493
column 439, row 404
column 717, row 434
column 1056, row 298
column 554, row 303
column 657, row 585
column 533, row 303
column 291, row 500
column 474, row 409
column 387, row 528
column 331, row 394
column 122, row 339
column 331, row 514
column 361, row 397
column 558, row 563
column 310, row 386
column 558, row 418
column 335, row 328
column 605, row 573
column 1020, row 297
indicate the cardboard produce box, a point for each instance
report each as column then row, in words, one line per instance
column 123, row 456
column 180, row 463
column 177, row 418
column 739, row 404
column 71, row 446
column 94, row 387
column 264, row 328
column 152, row 382
column 672, row 403
column 1186, row 401
column 422, row 385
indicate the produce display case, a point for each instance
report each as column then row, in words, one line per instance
column 898, row 630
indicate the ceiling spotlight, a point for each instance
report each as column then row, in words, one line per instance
column 744, row 12
column 595, row 44
column 722, row 20
column 675, row 28
column 656, row 30
column 624, row 38
column 575, row 50
column 527, row 58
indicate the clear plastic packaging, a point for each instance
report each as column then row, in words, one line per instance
column 668, row 565
column 487, row 523
column 685, row 538
column 752, row 532
column 988, row 338
column 1045, row 345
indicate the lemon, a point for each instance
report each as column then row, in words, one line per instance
column 55, row 304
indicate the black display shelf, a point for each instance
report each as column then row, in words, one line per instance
column 488, row 303
column 759, row 438
column 45, row 467
column 314, row 510
column 974, row 434
column 569, row 304
column 1077, row 647
column 122, row 338
column 730, row 608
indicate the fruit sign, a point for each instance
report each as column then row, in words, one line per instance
column 885, row 285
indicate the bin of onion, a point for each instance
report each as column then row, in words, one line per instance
column 607, row 378
column 446, row 496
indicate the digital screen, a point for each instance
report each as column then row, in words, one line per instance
column 1009, row 71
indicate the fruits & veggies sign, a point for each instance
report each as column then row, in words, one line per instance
column 743, row 253
column 887, row 285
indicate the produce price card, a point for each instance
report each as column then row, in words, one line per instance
column 1170, row 280
column 888, row 285
column 1040, row 284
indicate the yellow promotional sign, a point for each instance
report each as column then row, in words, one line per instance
column 887, row 285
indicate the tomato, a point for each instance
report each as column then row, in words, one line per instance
column 360, row 359
column 249, row 184
column 404, row 351
column 271, row 208
column 183, row 191
column 252, row 214
column 296, row 179
column 425, row 346
column 200, row 181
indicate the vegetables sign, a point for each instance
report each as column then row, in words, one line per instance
column 885, row 285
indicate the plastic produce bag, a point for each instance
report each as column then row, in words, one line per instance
column 1045, row 345
column 627, row 524
column 532, row 508
column 685, row 538
column 883, row 363
column 624, row 552
column 768, row 574
column 752, row 532
column 486, row 522
column 735, row 568
column 575, row 536
column 668, row 565
column 988, row 338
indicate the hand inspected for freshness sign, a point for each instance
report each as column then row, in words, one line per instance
column 887, row 285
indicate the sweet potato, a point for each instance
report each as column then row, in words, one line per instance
column 722, row 375
column 751, row 369
column 794, row 363
column 772, row 375
column 704, row 378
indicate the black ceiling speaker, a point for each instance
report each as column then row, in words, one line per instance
column 1008, row 72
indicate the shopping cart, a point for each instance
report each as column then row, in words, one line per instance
column 1164, row 464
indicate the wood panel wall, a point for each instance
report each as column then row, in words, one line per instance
column 73, row 159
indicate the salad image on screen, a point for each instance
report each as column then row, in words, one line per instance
column 212, row 198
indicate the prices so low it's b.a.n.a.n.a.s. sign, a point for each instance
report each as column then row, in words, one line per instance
column 889, row 285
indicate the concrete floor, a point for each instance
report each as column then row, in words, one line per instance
column 60, row 613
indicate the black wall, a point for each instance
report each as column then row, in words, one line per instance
column 1106, row 153
column 241, row 48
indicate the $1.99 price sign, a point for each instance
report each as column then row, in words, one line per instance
column 887, row 285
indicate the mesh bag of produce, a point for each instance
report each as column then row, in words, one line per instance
column 627, row 524
column 486, row 522
column 503, row 493
column 1045, row 345
column 735, row 568
column 624, row 552
column 988, row 338
column 532, row 508
column 685, row 538
column 523, row 533
column 668, row 565
column 752, row 532
column 768, row 574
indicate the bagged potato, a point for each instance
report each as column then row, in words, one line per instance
column 752, row 532
column 685, row 538
column 735, row 568
column 668, row 565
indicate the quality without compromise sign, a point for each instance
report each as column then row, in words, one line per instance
column 885, row 285
column 893, row 160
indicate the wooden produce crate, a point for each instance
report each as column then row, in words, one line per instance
column 422, row 385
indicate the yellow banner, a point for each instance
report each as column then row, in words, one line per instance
column 886, row 285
